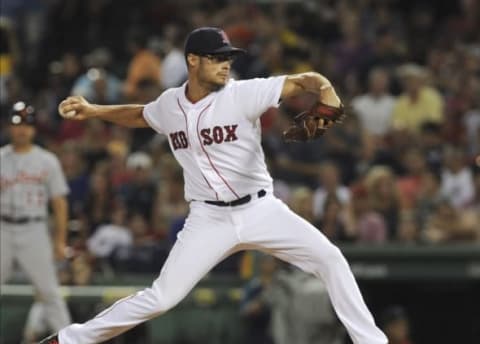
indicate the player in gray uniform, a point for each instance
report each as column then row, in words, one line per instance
column 30, row 177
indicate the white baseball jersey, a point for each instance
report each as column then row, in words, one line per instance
column 28, row 181
column 217, row 140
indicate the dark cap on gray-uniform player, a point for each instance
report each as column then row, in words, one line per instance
column 22, row 113
column 209, row 40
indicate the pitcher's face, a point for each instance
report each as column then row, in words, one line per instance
column 212, row 69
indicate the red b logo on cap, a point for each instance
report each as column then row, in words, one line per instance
column 224, row 37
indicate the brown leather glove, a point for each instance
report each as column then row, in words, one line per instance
column 311, row 124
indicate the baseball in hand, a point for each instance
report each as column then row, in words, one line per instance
column 68, row 114
column 64, row 114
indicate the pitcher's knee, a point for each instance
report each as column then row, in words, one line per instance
column 164, row 305
column 335, row 254
column 329, row 256
column 165, row 301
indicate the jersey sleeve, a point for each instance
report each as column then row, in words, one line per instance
column 56, row 182
column 152, row 114
column 255, row 96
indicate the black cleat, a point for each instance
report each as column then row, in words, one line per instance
column 53, row 339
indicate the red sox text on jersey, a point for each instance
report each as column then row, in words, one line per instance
column 217, row 134
column 217, row 140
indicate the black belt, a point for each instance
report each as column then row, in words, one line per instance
column 239, row 201
column 20, row 220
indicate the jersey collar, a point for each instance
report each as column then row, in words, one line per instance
column 201, row 103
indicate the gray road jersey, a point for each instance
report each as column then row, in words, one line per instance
column 28, row 181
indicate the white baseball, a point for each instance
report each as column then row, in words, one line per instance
column 69, row 114
column 64, row 114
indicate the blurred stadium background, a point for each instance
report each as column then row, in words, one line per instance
column 397, row 187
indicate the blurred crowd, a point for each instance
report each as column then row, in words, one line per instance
column 404, row 166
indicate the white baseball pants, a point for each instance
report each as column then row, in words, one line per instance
column 212, row 233
column 30, row 245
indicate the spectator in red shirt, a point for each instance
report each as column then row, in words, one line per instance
column 409, row 185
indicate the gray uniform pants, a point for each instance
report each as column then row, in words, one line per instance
column 29, row 244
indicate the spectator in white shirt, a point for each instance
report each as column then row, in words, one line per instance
column 457, row 179
column 174, row 66
column 374, row 109
column 110, row 236
column 330, row 184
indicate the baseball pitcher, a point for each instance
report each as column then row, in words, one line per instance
column 213, row 126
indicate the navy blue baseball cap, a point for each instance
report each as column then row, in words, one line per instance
column 22, row 113
column 209, row 40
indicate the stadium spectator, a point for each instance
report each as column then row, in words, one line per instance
column 115, row 164
column 145, row 65
column 73, row 165
column 449, row 224
column 62, row 73
column 140, row 229
column 408, row 228
column 408, row 185
column 170, row 208
column 174, row 68
column 144, row 254
column 457, row 178
column 107, row 237
column 333, row 220
column 384, row 198
column 301, row 203
column 351, row 52
column 330, row 185
column 429, row 196
column 97, row 84
column 388, row 47
column 431, row 145
column 98, row 202
column 94, row 138
column 344, row 146
column 368, row 225
column 140, row 192
column 419, row 103
column 374, row 108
